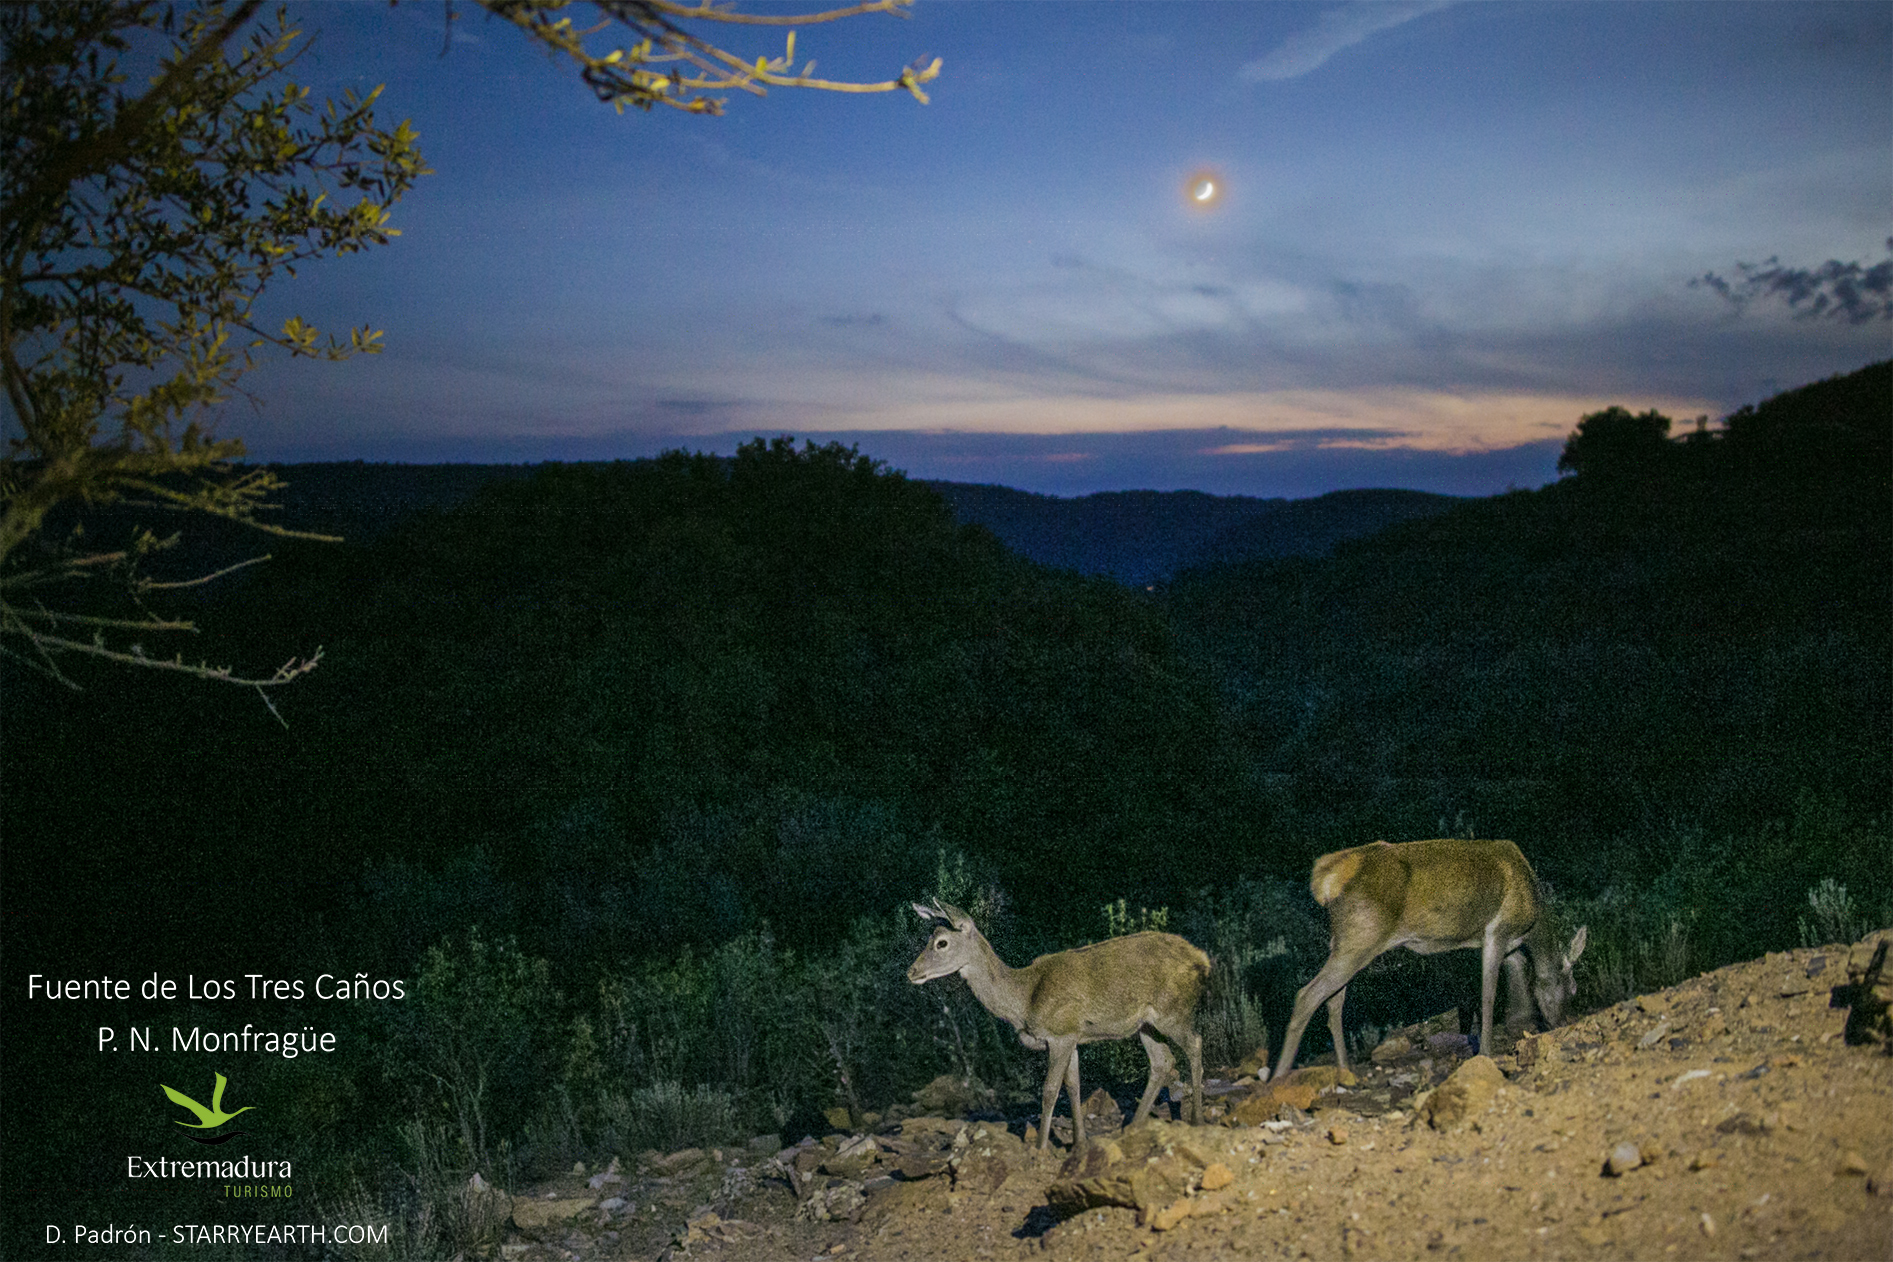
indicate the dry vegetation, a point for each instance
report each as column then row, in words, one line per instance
column 1726, row 1117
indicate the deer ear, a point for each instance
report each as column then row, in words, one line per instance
column 1577, row 945
column 924, row 912
column 954, row 916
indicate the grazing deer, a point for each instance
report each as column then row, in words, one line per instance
column 1433, row 896
column 1109, row 990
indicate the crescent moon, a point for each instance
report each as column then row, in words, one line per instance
column 1205, row 189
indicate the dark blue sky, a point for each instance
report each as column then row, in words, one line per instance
column 1447, row 231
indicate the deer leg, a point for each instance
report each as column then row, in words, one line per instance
column 1077, row 1100
column 1518, row 1004
column 1490, row 956
column 1193, row 1048
column 1334, row 976
column 1163, row 1068
column 1334, row 1028
column 1059, row 1052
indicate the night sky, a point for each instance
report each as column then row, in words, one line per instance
column 1444, row 232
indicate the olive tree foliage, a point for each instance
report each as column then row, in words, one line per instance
column 161, row 171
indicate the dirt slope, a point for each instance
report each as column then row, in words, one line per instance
column 1724, row 1118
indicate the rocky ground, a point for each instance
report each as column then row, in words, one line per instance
column 1724, row 1118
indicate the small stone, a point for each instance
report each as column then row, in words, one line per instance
column 1852, row 1162
column 1168, row 1217
column 1655, row 1036
column 1219, row 1176
column 1337, row 1134
column 1624, row 1158
column 1708, row 1224
column 1881, row 1184
column 1392, row 1049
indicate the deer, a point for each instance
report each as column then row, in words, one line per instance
column 1145, row 984
column 1431, row 896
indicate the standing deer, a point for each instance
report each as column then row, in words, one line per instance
column 1433, row 896
column 1109, row 990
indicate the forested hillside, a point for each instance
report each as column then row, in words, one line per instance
column 1669, row 672
column 631, row 770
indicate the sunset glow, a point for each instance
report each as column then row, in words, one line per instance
column 1367, row 247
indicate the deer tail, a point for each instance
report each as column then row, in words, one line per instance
column 1333, row 872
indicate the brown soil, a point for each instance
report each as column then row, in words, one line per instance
column 1741, row 1123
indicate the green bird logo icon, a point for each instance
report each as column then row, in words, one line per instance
column 213, row 1116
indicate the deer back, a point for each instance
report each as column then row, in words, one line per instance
column 1438, row 893
column 1110, row 988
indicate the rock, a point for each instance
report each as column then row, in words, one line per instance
column 683, row 1157
column 1852, row 1162
column 1269, row 1099
column 838, row 1118
column 765, row 1145
column 1102, row 1115
column 842, row 1200
column 1657, row 1034
column 486, row 1206
column 1446, row 1022
column 1464, row 1095
column 709, row 1226
column 1868, row 994
column 926, row 1129
column 1321, row 1077
column 952, row 1095
column 1392, row 1049
column 548, row 1216
column 1169, row 1216
column 852, row 1159
column 1114, row 1172
column 1448, row 1044
column 1881, row 1184
column 1217, row 1177
column 1337, row 1135
column 612, row 1204
column 1624, row 1158
column 1535, row 1049
column 987, row 1157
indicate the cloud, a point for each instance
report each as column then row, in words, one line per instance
column 1308, row 50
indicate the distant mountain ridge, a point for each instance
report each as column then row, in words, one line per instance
column 1134, row 537
column 1139, row 537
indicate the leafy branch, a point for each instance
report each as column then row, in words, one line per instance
column 686, row 63
column 136, row 234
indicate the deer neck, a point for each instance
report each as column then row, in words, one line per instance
column 1543, row 947
column 1004, row 992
